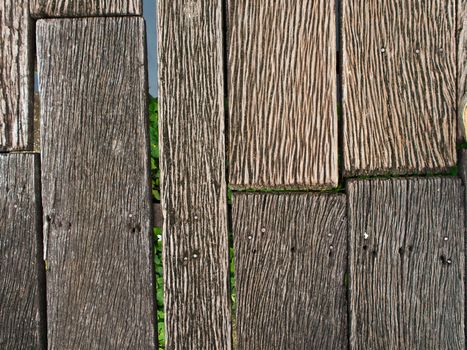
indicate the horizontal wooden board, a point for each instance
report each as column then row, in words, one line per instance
column 95, row 183
column 16, row 76
column 407, row 263
column 85, row 8
column 22, row 294
column 290, row 260
column 282, row 94
column 399, row 86
column 193, row 186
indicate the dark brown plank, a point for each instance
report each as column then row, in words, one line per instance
column 95, row 178
column 191, row 103
column 290, row 260
column 16, row 76
column 85, row 8
column 399, row 86
column 282, row 94
column 21, row 268
column 407, row 263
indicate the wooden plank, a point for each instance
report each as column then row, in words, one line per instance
column 282, row 94
column 290, row 261
column 462, row 69
column 407, row 263
column 399, row 86
column 21, row 318
column 16, row 76
column 83, row 8
column 196, row 263
column 95, row 178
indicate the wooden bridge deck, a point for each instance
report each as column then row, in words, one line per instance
column 338, row 126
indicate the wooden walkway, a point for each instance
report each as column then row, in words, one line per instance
column 338, row 126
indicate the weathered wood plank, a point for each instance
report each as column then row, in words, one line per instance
column 16, row 76
column 85, row 8
column 462, row 69
column 399, row 86
column 407, row 263
column 196, row 266
column 282, row 94
column 21, row 269
column 290, row 260
column 95, row 178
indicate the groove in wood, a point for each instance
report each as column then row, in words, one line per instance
column 193, row 186
column 290, row 261
column 85, row 8
column 16, row 76
column 407, row 257
column 95, row 183
column 21, row 268
column 282, row 94
column 399, row 86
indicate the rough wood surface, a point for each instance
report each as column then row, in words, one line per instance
column 290, row 260
column 196, row 268
column 462, row 69
column 95, row 183
column 407, row 263
column 85, row 8
column 16, row 76
column 282, row 94
column 399, row 86
column 21, row 269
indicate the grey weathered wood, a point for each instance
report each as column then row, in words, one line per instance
column 83, row 8
column 290, row 260
column 16, row 76
column 157, row 215
column 399, row 86
column 282, row 94
column 21, row 269
column 95, row 183
column 193, row 188
column 407, row 263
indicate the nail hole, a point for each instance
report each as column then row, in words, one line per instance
column 401, row 251
column 292, row 249
column 365, row 247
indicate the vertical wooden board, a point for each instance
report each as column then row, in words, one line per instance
column 290, row 261
column 282, row 94
column 85, row 8
column 193, row 187
column 20, row 270
column 16, row 76
column 399, row 86
column 462, row 68
column 95, row 177
column 407, row 263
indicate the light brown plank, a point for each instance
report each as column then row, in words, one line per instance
column 462, row 69
column 399, row 86
column 95, row 178
column 407, row 263
column 193, row 187
column 22, row 294
column 16, row 76
column 290, row 260
column 282, row 94
column 85, row 8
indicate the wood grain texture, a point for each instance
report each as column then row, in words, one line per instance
column 21, row 269
column 16, row 76
column 462, row 69
column 282, row 94
column 290, row 260
column 407, row 263
column 95, row 183
column 85, row 8
column 193, row 186
column 399, row 86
